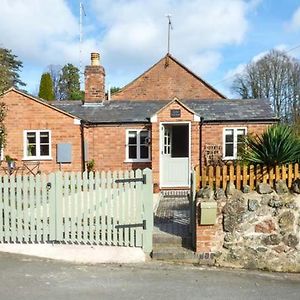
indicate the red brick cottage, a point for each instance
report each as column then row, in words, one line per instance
column 168, row 119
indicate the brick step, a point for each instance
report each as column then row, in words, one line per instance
column 173, row 205
column 163, row 217
column 175, row 193
column 180, row 255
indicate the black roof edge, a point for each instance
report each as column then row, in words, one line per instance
column 115, row 123
column 274, row 120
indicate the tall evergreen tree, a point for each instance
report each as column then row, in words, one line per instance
column 10, row 67
column 69, row 83
column 46, row 87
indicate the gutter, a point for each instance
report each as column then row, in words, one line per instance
column 82, row 123
column 244, row 120
column 200, row 146
column 88, row 123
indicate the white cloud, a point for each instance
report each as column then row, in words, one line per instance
column 205, row 62
column 130, row 34
column 294, row 23
column 136, row 31
column 30, row 27
column 235, row 71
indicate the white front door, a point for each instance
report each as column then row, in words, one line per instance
column 175, row 149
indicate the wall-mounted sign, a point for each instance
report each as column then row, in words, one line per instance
column 175, row 113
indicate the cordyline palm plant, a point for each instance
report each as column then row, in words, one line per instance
column 277, row 145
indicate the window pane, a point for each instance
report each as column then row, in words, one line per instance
column 229, row 150
column 144, row 152
column 132, row 137
column 240, row 148
column 44, row 137
column 240, row 135
column 241, row 139
column 44, row 150
column 143, row 137
column 132, row 152
column 31, row 137
column 229, row 135
column 31, row 150
column 241, row 132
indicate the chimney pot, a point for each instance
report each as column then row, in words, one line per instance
column 95, row 59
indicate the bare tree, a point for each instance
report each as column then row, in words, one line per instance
column 55, row 73
column 276, row 76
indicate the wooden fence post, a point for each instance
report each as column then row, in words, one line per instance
column 148, row 211
column 52, row 207
column 238, row 176
column 224, row 177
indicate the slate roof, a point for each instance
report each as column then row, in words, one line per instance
column 122, row 111
column 233, row 110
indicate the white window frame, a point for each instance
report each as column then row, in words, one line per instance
column 38, row 149
column 1, row 154
column 235, row 129
column 138, row 159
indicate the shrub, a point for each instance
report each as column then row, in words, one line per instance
column 277, row 145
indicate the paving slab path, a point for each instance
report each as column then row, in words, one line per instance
column 24, row 277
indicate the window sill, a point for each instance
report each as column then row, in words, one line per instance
column 137, row 160
column 229, row 158
column 36, row 158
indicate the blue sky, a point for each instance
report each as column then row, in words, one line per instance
column 215, row 38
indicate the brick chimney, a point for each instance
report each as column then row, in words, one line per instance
column 94, row 81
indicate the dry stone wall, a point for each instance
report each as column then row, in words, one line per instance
column 261, row 229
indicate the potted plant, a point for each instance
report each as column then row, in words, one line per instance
column 90, row 165
column 11, row 162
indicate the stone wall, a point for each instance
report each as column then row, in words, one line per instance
column 259, row 229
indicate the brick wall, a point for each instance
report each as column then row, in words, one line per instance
column 27, row 114
column 107, row 146
column 209, row 238
column 212, row 134
column 165, row 82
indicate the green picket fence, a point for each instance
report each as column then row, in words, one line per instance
column 107, row 208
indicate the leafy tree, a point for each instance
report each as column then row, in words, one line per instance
column 77, row 95
column 277, row 145
column 46, row 87
column 114, row 89
column 69, row 84
column 3, row 111
column 10, row 67
column 275, row 76
column 55, row 72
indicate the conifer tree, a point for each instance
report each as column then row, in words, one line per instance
column 10, row 67
column 69, row 83
column 46, row 87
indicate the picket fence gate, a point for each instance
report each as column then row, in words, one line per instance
column 107, row 208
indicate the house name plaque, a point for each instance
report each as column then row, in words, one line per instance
column 175, row 113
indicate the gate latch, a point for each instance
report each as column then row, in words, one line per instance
column 125, row 180
column 143, row 225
